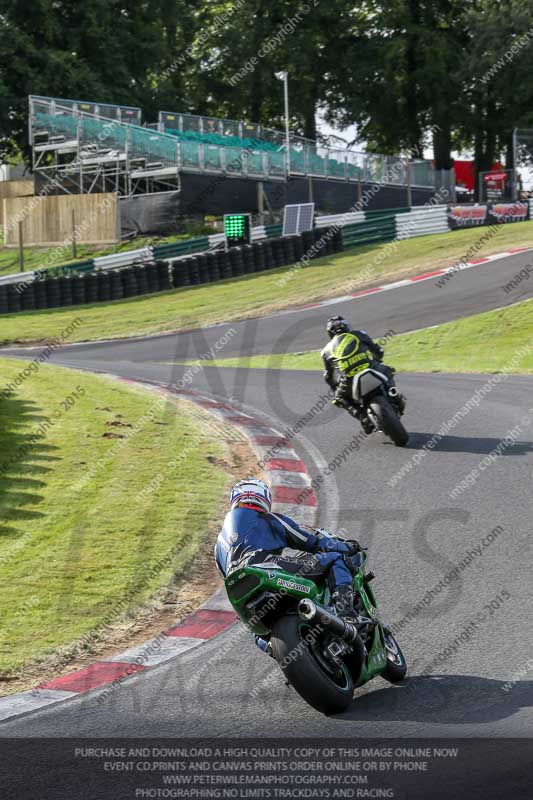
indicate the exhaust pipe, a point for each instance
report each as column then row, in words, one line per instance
column 393, row 392
column 318, row 615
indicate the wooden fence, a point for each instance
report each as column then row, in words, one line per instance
column 58, row 219
column 9, row 189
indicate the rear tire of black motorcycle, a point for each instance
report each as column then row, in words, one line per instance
column 303, row 672
column 389, row 422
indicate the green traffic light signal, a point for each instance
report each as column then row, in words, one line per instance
column 237, row 229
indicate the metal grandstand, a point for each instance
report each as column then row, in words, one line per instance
column 86, row 147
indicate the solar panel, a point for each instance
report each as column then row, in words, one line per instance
column 298, row 218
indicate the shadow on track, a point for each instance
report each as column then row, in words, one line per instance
column 448, row 699
column 480, row 445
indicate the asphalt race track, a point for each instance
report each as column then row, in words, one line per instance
column 467, row 640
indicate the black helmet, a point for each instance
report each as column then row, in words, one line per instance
column 337, row 325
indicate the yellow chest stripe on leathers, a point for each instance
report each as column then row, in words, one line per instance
column 347, row 353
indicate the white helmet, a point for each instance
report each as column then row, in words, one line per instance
column 252, row 491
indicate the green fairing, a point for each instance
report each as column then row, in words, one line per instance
column 261, row 596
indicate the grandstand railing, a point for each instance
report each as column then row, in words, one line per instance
column 150, row 147
column 217, row 152
column 127, row 114
column 306, row 156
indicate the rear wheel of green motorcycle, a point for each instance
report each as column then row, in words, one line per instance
column 396, row 668
column 389, row 421
column 297, row 650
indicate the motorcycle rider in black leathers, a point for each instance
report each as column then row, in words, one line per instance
column 347, row 353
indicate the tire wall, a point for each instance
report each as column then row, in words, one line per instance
column 192, row 270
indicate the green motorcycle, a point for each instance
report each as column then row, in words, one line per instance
column 323, row 657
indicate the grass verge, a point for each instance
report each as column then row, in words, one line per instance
column 82, row 545
column 488, row 342
column 261, row 293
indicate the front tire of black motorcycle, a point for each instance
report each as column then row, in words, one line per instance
column 302, row 669
column 389, row 422
column 396, row 668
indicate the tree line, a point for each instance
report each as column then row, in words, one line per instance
column 407, row 73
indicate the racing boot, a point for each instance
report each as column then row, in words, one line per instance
column 343, row 598
column 356, row 413
column 366, row 425
column 360, row 415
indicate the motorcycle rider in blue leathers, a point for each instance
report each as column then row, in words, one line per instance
column 253, row 535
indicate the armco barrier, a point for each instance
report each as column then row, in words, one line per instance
column 382, row 230
column 350, row 218
column 422, row 222
column 174, row 249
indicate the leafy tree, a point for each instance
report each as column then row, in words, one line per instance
column 96, row 49
column 497, row 78
column 398, row 77
column 237, row 59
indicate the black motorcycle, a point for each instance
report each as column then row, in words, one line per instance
column 381, row 402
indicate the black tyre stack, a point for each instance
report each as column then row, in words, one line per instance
column 308, row 240
column 268, row 254
column 27, row 298
column 152, row 277
column 193, row 267
column 91, row 287
column 298, row 247
column 248, row 259
column 4, row 307
column 13, row 299
column 181, row 273
column 53, row 292
column 115, row 280
column 78, row 290
column 325, row 243
column 40, row 294
column 142, row 279
column 236, row 261
column 163, row 275
column 104, row 286
column 225, row 265
column 65, row 291
column 288, row 250
column 258, row 256
column 202, row 268
column 278, row 253
column 129, row 282
column 213, row 267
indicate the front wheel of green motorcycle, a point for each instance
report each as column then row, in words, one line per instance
column 297, row 647
column 396, row 668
